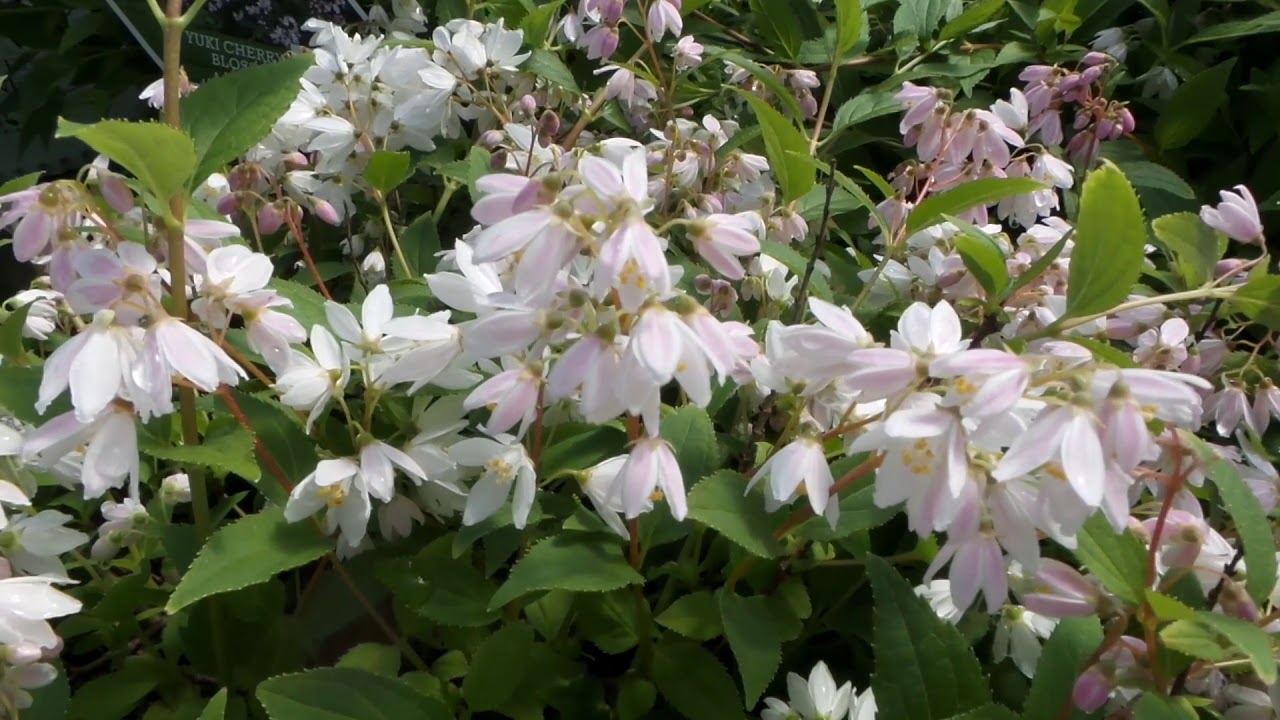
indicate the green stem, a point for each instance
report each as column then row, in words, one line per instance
column 391, row 233
column 450, row 187
column 175, row 227
column 1209, row 293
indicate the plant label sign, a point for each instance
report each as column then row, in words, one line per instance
column 231, row 34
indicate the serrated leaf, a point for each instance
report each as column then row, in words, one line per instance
column 386, row 170
column 308, row 305
column 345, row 694
column 848, row 25
column 748, row 625
column 229, row 114
column 975, row 193
column 798, row 264
column 439, row 587
column 787, row 149
column 567, row 563
column 11, row 348
column 217, row 707
column 1158, row 707
column 1253, row 527
column 161, row 158
column 976, row 14
column 21, row 183
column 694, row 682
column 377, row 658
column 925, row 670
column 1259, row 300
column 1109, row 239
column 982, row 257
column 548, row 66
column 1194, row 245
column 1144, row 174
column 1268, row 23
column 1061, row 661
column 290, row 449
column 988, row 712
column 693, row 438
column 1192, row 106
column 497, row 667
column 719, row 503
column 1252, row 641
column 230, row 451
column 1167, row 608
column 695, row 616
column 777, row 23
column 249, row 551
column 580, row 451
column 1118, row 560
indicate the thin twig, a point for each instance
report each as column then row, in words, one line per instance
column 818, row 246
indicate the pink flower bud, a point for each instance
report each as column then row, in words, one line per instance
column 228, row 204
column 548, row 126
column 491, row 139
column 269, row 219
column 1127, row 123
column 296, row 161
column 498, row 160
column 1235, row 602
column 115, row 192
column 1236, row 216
column 325, row 211
column 1095, row 58
column 1091, row 690
column 528, row 104
column 1061, row 591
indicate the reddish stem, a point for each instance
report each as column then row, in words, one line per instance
column 306, row 256
column 272, row 466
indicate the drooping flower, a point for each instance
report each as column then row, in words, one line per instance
column 505, row 465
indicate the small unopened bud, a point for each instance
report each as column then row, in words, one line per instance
column 176, row 489
column 115, row 192
column 6, row 570
column 703, row 284
column 1095, row 58
column 1091, row 690
column 498, row 160
column 296, row 161
column 244, row 176
column 228, row 204
column 548, row 126
column 491, row 139
column 529, row 105
column 269, row 219
column 1236, row 602
column 325, row 211
column 1127, row 123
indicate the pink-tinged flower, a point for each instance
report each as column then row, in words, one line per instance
column 544, row 240
column 977, row 562
column 309, row 384
column 334, row 487
column 1067, row 436
column 721, row 239
column 112, row 454
column 511, row 396
column 171, row 347
column 471, row 288
column 664, row 15
column 42, row 313
column 96, row 364
column 924, row 334
column 1060, row 591
column 800, row 462
column 1165, row 348
column 397, row 517
column 600, row 41
column 688, row 53
column 1266, row 405
column 1229, row 407
column 1181, row 538
column 1018, row 635
column 507, row 331
column 154, row 93
column 599, row 483
column 270, row 333
column 124, row 281
column 1236, row 216
column 1091, row 690
column 505, row 464
column 590, row 367
column 920, row 104
column 663, row 347
column 42, row 213
column 989, row 382
column 651, row 466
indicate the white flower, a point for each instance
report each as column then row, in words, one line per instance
column 801, row 461
column 505, row 464
column 333, row 485
column 938, row 594
column 26, row 603
column 33, row 543
column 309, row 384
column 818, row 698
column 1018, row 635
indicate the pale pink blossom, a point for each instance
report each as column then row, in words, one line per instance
column 511, row 396
column 1236, row 216
column 802, row 461
column 505, row 464
column 651, row 466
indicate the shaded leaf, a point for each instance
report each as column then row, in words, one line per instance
column 719, row 503
column 345, row 694
column 1253, row 527
column 787, row 149
column 497, row 667
column 693, row 438
column 567, row 563
column 1192, row 106
column 230, row 451
column 695, row 616
column 1061, row 661
column 748, row 625
column 694, row 682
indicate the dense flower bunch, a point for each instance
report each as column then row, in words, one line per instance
column 607, row 283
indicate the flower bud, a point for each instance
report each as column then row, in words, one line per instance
column 498, row 160
column 176, row 489
column 228, row 204
column 325, row 211
column 1061, row 591
column 1235, row 602
column 269, row 219
column 244, row 176
column 491, row 139
column 548, row 126
column 1095, row 58
column 1091, row 690
column 296, row 161
column 529, row 105
column 292, row 212
column 115, row 192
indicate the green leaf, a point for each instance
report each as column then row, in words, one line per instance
column 249, row 551
column 1061, row 661
column 1167, row 608
column 230, row 451
column 858, row 511
column 749, row 627
column 567, row 563
column 1195, row 639
column 780, row 93
column 548, row 66
column 18, row 388
column 377, row 658
column 1110, row 234
column 497, row 667
column 919, row 17
column 229, row 114
column 798, row 264
column 1158, row 707
column 116, row 695
column 719, row 503
column 387, row 170
column 778, row 24
column 1268, row 23
column 848, row 25
column 1259, row 300
column 21, row 183
column 1192, row 106
column 694, row 682
column 1153, row 176
column 583, row 449
column 291, row 451
column 420, row 243
column 988, row 712
column 1252, row 641
column 1118, row 560
column 695, row 616
column 636, row 695
column 1253, row 527
column 308, row 305
column 537, row 23
column 345, row 694
column 975, row 193
column 975, row 15
column 924, row 668
column 1194, row 245
column 11, row 335
column 217, row 707
column 983, row 257
column 787, row 149
column 439, row 587
column 160, row 157
column 693, row 438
